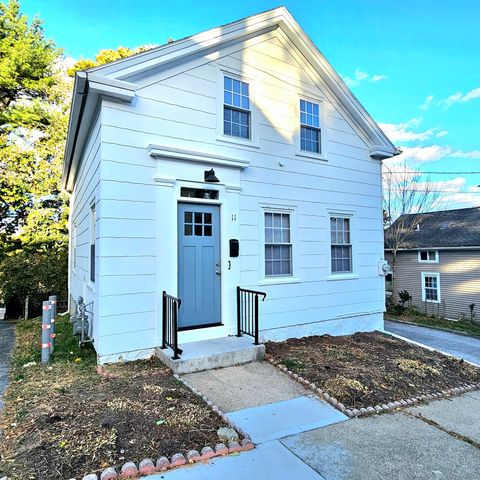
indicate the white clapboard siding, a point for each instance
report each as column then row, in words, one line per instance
column 86, row 192
column 178, row 109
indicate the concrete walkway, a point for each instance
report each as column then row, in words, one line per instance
column 460, row 346
column 7, row 339
column 438, row 441
column 431, row 442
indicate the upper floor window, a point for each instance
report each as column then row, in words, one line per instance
column 278, row 245
column 428, row 256
column 310, row 127
column 236, row 108
column 341, row 245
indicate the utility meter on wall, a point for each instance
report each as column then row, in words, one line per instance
column 384, row 267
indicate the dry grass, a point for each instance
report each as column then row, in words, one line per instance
column 65, row 421
column 367, row 369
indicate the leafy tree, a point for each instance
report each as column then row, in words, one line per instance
column 35, row 92
column 33, row 119
column 106, row 56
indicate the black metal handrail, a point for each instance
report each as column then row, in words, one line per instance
column 170, row 306
column 247, row 312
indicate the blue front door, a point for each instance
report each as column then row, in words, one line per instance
column 198, row 265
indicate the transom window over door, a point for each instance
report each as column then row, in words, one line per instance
column 341, row 245
column 278, row 246
column 236, row 108
column 310, row 140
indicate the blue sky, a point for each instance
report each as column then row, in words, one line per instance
column 415, row 65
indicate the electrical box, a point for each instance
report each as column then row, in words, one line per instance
column 234, row 247
column 384, row 268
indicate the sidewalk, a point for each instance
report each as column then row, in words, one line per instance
column 7, row 340
column 438, row 441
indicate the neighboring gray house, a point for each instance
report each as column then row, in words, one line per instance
column 438, row 263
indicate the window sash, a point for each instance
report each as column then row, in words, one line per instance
column 278, row 246
column 310, row 132
column 431, row 287
column 428, row 256
column 236, row 108
column 341, row 246
column 93, row 225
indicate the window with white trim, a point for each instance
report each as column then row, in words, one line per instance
column 431, row 287
column 93, row 225
column 237, row 115
column 310, row 133
column 278, row 244
column 74, row 246
column 341, row 244
column 428, row 256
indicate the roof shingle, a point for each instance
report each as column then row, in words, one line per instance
column 447, row 229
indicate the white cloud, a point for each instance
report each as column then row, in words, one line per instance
column 427, row 103
column 460, row 97
column 377, row 78
column 360, row 76
column 442, row 133
column 417, row 155
column 401, row 132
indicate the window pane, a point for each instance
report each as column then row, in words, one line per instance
column 207, row 230
column 268, row 268
column 207, row 218
column 188, row 217
column 268, row 235
column 268, row 219
column 198, row 217
column 188, row 230
column 198, row 230
column 227, row 82
column 423, row 256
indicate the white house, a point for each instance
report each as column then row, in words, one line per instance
column 298, row 164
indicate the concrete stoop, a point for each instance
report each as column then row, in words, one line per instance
column 214, row 353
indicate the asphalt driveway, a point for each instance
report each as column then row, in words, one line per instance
column 7, row 338
column 460, row 346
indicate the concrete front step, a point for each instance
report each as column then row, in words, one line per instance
column 214, row 353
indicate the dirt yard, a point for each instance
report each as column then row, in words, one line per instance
column 64, row 421
column 367, row 369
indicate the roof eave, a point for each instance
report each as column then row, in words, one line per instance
column 88, row 88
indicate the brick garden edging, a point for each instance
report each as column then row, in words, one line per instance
column 147, row 466
column 354, row 412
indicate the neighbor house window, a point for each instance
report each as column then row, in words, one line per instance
column 341, row 245
column 236, row 108
column 278, row 246
column 431, row 287
column 428, row 256
column 309, row 127
column 93, row 222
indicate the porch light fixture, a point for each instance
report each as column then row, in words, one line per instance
column 210, row 176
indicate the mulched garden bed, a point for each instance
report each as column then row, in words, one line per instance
column 65, row 420
column 367, row 369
